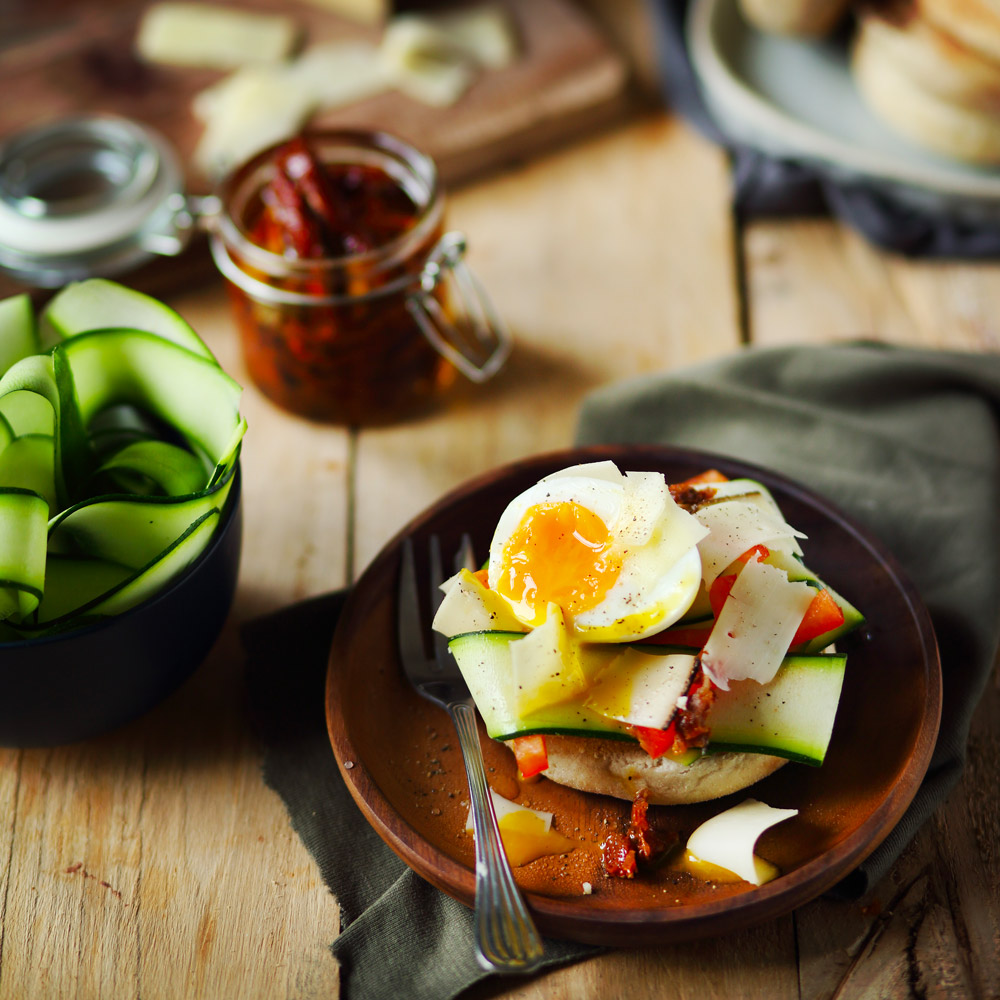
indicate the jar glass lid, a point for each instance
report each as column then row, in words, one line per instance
column 88, row 195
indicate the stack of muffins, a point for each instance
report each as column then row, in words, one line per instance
column 930, row 69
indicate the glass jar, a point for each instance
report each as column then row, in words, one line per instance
column 377, row 329
column 360, row 337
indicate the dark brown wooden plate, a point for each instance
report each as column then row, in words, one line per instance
column 400, row 759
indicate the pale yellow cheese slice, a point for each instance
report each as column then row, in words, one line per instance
column 734, row 527
column 641, row 688
column 486, row 32
column 423, row 62
column 248, row 112
column 213, row 37
column 468, row 606
column 546, row 665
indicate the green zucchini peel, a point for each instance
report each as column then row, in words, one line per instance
column 119, row 441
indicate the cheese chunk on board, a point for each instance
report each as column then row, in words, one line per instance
column 214, row 37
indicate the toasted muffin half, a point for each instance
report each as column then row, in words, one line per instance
column 611, row 767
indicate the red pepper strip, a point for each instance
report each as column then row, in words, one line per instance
column 267, row 233
column 695, row 636
column 822, row 615
column 722, row 585
column 719, row 591
column 656, row 742
column 531, row 755
column 708, row 476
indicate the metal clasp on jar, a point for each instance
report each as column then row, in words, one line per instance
column 477, row 343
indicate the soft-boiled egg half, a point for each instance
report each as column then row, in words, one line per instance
column 612, row 550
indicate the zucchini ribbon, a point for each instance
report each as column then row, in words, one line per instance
column 119, row 441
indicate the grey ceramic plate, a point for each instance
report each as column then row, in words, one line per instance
column 796, row 99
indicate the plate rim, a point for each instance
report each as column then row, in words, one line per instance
column 565, row 918
column 727, row 91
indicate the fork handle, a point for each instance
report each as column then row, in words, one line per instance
column 506, row 937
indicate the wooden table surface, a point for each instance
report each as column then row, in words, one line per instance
column 154, row 862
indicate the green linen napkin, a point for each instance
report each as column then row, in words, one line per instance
column 401, row 939
column 906, row 441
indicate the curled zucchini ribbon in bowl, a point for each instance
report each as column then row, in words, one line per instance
column 119, row 439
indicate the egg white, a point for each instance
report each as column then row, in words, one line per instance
column 655, row 540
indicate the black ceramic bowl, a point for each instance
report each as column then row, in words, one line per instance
column 64, row 688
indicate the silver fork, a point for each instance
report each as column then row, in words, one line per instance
column 506, row 937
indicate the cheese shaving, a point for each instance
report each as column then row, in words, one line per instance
column 433, row 60
column 468, row 606
column 646, row 494
column 546, row 665
column 642, row 689
column 755, row 625
column 734, row 527
column 728, row 839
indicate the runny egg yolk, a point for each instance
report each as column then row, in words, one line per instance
column 561, row 552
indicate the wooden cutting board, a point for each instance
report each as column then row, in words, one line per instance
column 59, row 57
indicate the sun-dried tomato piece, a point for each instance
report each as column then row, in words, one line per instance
column 645, row 841
column 287, row 210
column 622, row 853
column 692, row 720
column 618, row 857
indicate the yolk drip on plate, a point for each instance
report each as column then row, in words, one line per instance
column 707, row 872
column 525, row 838
column 526, row 833
column 560, row 552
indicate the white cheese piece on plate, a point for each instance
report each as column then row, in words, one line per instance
column 734, row 527
column 755, row 625
column 646, row 495
column 641, row 688
column 260, row 105
column 339, row 73
column 728, row 839
column 213, row 37
column 436, row 59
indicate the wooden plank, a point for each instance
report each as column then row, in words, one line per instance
column 813, row 281
column 931, row 927
column 295, row 480
column 725, row 969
